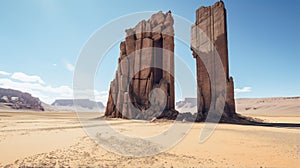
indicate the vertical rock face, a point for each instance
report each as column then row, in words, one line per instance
column 209, row 35
column 143, row 87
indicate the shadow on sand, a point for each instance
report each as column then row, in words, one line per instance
column 237, row 120
column 242, row 120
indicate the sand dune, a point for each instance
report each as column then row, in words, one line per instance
column 277, row 106
column 287, row 106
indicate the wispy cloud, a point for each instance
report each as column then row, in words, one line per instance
column 4, row 73
column 27, row 78
column 46, row 93
column 70, row 67
column 101, row 96
column 34, row 85
column 242, row 90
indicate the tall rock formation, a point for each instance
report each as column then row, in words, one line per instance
column 143, row 86
column 209, row 40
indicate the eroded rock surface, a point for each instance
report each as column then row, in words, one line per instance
column 143, row 86
column 19, row 100
column 209, row 44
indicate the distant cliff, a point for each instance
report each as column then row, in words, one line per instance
column 85, row 103
column 187, row 105
column 19, row 100
column 191, row 101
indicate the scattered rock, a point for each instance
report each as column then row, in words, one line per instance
column 153, row 119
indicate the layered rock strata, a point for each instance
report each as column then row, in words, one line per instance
column 143, row 87
column 209, row 45
column 19, row 100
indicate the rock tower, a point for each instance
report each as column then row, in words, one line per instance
column 209, row 37
column 143, row 87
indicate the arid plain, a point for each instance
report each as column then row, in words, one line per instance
column 57, row 139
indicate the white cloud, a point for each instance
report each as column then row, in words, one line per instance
column 27, row 78
column 242, row 90
column 4, row 73
column 70, row 67
column 48, row 93
column 101, row 96
column 103, row 92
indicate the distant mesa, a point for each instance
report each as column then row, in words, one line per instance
column 187, row 105
column 15, row 99
column 84, row 103
column 190, row 101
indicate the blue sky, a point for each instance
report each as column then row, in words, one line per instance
column 41, row 39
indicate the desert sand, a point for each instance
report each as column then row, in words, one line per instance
column 57, row 139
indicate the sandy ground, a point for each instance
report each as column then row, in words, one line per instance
column 57, row 139
column 278, row 106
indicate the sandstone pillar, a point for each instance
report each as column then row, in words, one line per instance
column 146, row 62
column 209, row 37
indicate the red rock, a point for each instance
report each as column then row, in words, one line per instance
column 169, row 20
column 148, row 30
column 211, row 25
column 157, row 18
column 136, row 77
column 130, row 41
column 139, row 29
